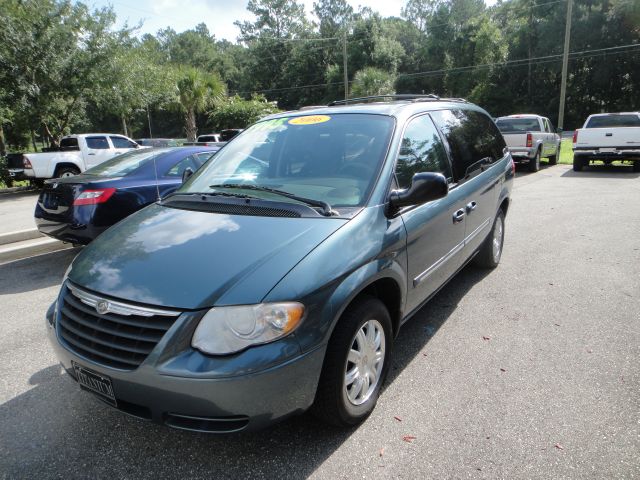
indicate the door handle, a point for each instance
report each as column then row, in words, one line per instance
column 90, row 153
column 471, row 206
column 458, row 216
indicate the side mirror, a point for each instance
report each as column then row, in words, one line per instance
column 186, row 174
column 425, row 187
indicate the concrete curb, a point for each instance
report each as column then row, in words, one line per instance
column 19, row 236
column 30, row 248
column 16, row 189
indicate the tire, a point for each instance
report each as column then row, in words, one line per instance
column 38, row 183
column 67, row 172
column 578, row 164
column 553, row 159
column 490, row 253
column 333, row 404
column 636, row 166
column 534, row 163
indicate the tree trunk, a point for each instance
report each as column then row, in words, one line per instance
column 3, row 148
column 124, row 125
column 190, row 127
column 33, row 141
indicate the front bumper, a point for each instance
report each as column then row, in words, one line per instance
column 76, row 233
column 182, row 394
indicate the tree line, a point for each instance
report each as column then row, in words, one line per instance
column 65, row 68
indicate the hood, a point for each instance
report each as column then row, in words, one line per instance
column 187, row 259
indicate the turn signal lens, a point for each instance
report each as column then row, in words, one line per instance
column 529, row 140
column 575, row 136
column 92, row 197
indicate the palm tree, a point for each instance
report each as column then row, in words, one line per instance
column 372, row 81
column 197, row 90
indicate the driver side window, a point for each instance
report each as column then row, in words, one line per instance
column 421, row 150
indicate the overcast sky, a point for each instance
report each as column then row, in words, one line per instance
column 219, row 15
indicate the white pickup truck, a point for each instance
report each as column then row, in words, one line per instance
column 529, row 138
column 607, row 137
column 76, row 154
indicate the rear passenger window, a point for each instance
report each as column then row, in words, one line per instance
column 178, row 169
column 473, row 137
column 97, row 143
column 421, row 150
column 121, row 142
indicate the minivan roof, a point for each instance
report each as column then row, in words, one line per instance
column 394, row 108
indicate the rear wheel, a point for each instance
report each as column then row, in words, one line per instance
column 534, row 163
column 553, row 159
column 636, row 166
column 578, row 164
column 491, row 250
column 355, row 365
column 67, row 172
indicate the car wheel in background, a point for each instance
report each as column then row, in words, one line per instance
column 553, row 159
column 578, row 164
column 491, row 250
column 534, row 163
column 67, row 172
column 636, row 166
column 356, row 363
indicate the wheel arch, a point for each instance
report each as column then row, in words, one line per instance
column 62, row 165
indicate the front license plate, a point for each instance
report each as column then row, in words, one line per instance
column 95, row 383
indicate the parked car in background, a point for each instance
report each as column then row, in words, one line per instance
column 77, row 209
column 209, row 138
column 157, row 142
column 278, row 275
column 76, row 154
column 607, row 137
column 529, row 138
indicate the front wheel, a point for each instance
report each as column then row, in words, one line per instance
column 355, row 365
column 491, row 250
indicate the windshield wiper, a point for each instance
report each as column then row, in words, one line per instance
column 324, row 206
column 207, row 194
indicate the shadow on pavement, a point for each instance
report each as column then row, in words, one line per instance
column 54, row 429
column 9, row 196
column 34, row 273
column 604, row 171
column 523, row 169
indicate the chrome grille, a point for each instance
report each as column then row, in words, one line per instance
column 121, row 336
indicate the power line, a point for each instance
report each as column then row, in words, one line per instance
column 632, row 48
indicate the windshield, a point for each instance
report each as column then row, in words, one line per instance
column 610, row 121
column 327, row 158
column 126, row 163
column 518, row 125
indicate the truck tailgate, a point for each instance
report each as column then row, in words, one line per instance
column 614, row 138
column 515, row 139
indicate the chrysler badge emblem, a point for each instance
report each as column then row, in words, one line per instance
column 102, row 307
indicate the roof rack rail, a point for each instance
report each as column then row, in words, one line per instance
column 393, row 96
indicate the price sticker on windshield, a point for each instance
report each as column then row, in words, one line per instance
column 309, row 120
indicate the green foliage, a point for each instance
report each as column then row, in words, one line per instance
column 236, row 112
column 372, row 81
column 66, row 68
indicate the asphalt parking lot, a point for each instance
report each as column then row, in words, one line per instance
column 528, row 371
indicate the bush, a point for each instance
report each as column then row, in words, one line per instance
column 236, row 112
column 5, row 178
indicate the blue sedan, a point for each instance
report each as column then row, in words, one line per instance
column 77, row 209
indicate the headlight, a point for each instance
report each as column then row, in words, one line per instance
column 226, row 330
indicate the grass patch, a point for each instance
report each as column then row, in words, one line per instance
column 566, row 153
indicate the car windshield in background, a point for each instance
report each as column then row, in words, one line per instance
column 512, row 125
column 611, row 121
column 326, row 158
column 126, row 163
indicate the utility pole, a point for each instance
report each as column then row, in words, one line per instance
column 344, row 66
column 565, row 64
